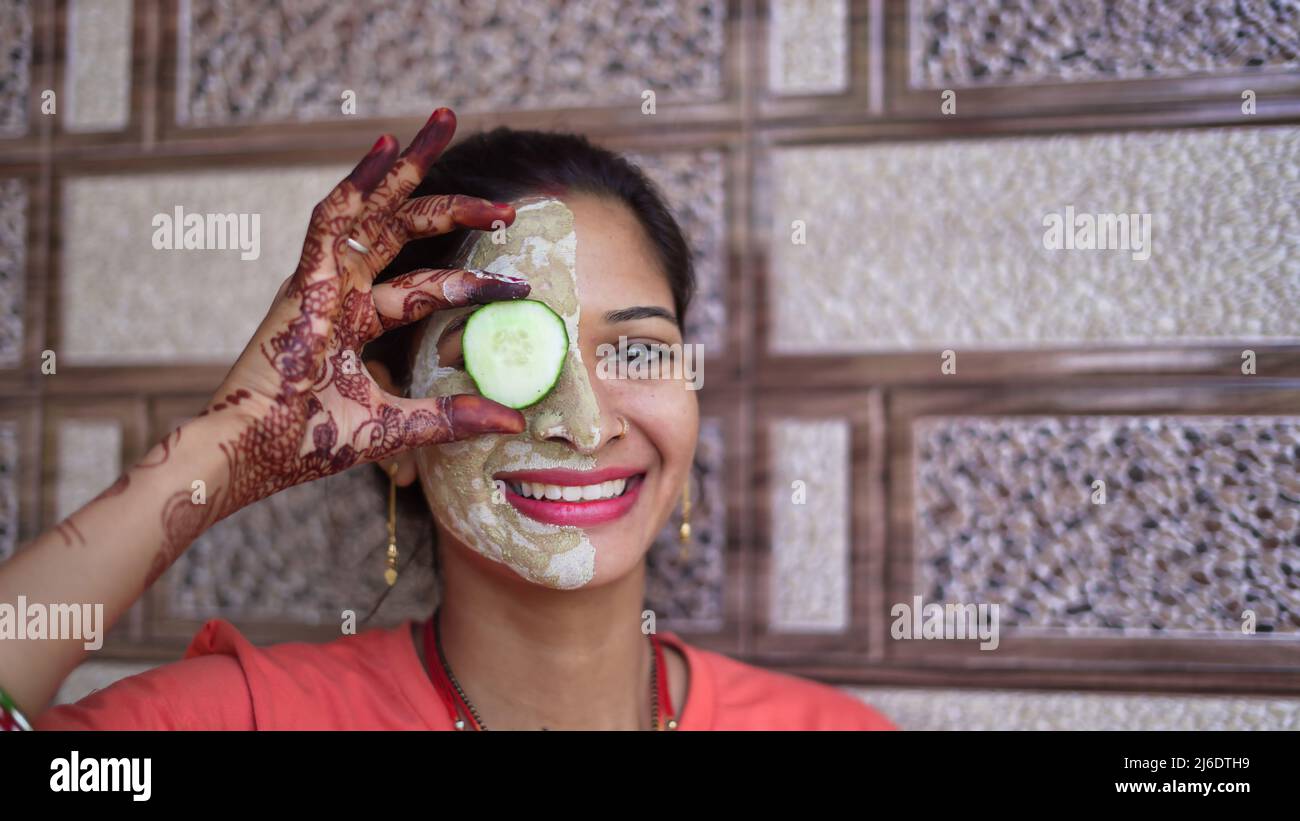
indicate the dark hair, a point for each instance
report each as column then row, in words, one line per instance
column 503, row 165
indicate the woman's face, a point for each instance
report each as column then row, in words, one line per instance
column 608, row 456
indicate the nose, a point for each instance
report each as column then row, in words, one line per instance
column 552, row 427
column 571, row 412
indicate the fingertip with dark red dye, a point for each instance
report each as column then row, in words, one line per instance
column 497, row 288
column 374, row 166
column 434, row 136
column 482, row 215
column 470, row 415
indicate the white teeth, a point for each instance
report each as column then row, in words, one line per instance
column 571, row 493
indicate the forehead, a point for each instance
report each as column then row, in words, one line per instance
column 616, row 263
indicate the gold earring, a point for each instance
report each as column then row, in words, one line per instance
column 390, row 573
column 684, row 532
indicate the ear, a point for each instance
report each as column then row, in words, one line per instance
column 407, row 470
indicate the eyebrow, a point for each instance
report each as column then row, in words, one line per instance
column 641, row 312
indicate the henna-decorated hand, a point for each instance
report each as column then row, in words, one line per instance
column 301, row 403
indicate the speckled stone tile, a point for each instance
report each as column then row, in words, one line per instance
column 13, row 268
column 695, row 184
column 89, row 459
column 98, row 86
column 685, row 584
column 15, row 66
column 304, row 556
column 941, row 244
column 950, row 709
column 808, row 46
column 1200, row 523
column 260, row 61
column 977, row 42
column 809, row 580
column 9, row 472
column 124, row 302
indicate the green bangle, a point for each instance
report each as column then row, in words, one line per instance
column 11, row 718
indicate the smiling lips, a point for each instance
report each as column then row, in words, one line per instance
column 580, row 498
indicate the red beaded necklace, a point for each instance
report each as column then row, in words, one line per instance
column 465, row 717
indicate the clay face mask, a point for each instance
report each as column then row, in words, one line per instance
column 541, row 246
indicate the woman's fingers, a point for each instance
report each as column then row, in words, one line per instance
column 417, row 294
column 413, row 164
column 312, row 297
column 333, row 217
column 379, row 237
column 426, row 217
column 441, row 214
column 448, row 418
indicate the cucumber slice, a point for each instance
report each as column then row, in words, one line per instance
column 514, row 351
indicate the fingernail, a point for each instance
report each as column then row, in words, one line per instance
column 495, row 275
column 475, row 414
column 498, row 288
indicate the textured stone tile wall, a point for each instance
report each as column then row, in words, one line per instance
column 953, row 709
column 13, row 268
column 126, row 302
column 686, row 584
column 15, row 66
column 811, row 531
column 98, row 90
column 9, row 467
column 941, row 244
column 89, row 460
column 977, row 42
column 253, row 61
column 808, row 46
column 1199, row 523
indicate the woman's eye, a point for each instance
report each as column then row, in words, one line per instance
column 643, row 353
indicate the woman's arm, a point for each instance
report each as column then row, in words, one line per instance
column 297, row 405
column 109, row 552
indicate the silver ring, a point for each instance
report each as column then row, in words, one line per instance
column 356, row 246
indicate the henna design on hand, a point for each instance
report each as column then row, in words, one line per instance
column 304, row 405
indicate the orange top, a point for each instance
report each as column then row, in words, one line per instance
column 374, row 680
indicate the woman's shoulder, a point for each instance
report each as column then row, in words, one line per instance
column 207, row 692
column 735, row 695
column 224, row 681
column 221, row 638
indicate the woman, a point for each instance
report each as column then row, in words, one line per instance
column 543, row 517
